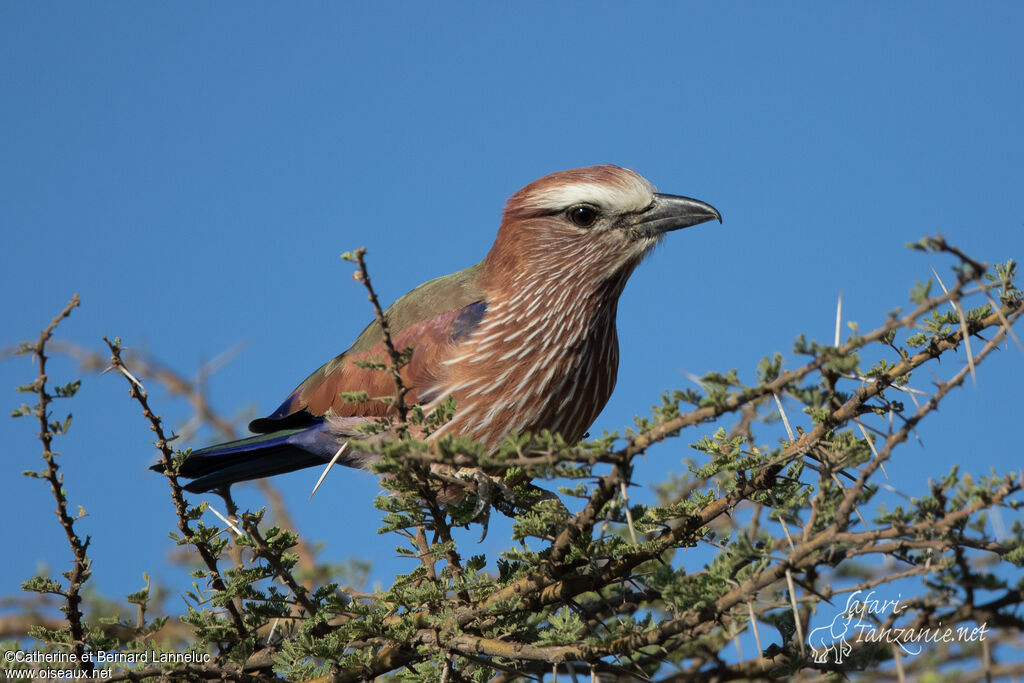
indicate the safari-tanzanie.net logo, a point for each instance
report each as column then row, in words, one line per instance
column 871, row 619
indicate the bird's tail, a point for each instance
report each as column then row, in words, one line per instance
column 253, row 458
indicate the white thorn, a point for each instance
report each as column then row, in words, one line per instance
column 785, row 529
column 131, row 378
column 856, row 509
column 871, row 443
column 629, row 514
column 328, row 468
column 1005, row 322
column 693, row 378
column 231, row 525
column 753, row 627
column 796, row 612
column 839, row 317
column 963, row 327
column 785, row 420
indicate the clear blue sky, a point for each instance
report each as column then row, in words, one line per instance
column 194, row 171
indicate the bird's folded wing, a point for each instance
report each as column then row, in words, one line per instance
column 432, row 319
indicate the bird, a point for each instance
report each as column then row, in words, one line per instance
column 523, row 341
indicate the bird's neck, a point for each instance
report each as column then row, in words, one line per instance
column 544, row 281
column 561, row 307
column 544, row 356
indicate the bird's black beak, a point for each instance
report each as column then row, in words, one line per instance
column 672, row 212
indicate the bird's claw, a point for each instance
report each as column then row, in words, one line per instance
column 484, row 492
column 493, row 492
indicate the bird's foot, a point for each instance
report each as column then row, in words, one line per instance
column 484, row 486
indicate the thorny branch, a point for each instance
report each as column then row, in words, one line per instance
column 193, row 391
column 47, row 429
column 395, row 356
column 427, row 493
column 264, row 551
column 590, row 602
column 561, row 578
column 206, row 552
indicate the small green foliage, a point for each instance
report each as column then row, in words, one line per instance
column 657, row 516
column 633, row 587
column 977, row 313
column 917, row 340
column 769, row 368
column 1004, row 275
column 920, row 292
column 22, row 411
column 67, row 390
column 42, row 584
column 880, row 369
column 563, row 628
column 138, row 597
column 726, row 453
column 30, row 388
column 716, row 388
column 354, row 255
column 375, row 364
column 541, row 521
column 440, row 415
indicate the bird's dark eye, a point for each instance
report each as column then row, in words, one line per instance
column 583, row 215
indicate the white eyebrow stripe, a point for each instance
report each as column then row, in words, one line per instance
column 633, row 194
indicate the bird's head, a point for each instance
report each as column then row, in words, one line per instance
column 594, row 223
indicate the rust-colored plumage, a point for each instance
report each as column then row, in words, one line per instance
column 525, row 340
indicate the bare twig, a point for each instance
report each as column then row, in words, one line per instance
column 206, row 552
column 79, row 573
column 395, row 356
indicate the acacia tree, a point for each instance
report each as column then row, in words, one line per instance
column 797, row 539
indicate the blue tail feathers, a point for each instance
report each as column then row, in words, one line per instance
column 259, row 456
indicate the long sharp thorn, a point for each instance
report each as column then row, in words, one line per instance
column 1005, row 322
column 855, row 508
column 131, row 378
column 871, row 443
column 753, row 626
column 963, row 327
column 231, row 525
column 693, row 378
column 629, row 514
column 327, row 469
column 785, row 420
column 785, row 529
column 796, row 612
column 273, row 628
column 839, row 317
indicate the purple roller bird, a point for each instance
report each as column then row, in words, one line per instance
column 523, row 341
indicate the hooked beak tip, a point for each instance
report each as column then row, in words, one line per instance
column 673, row 212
